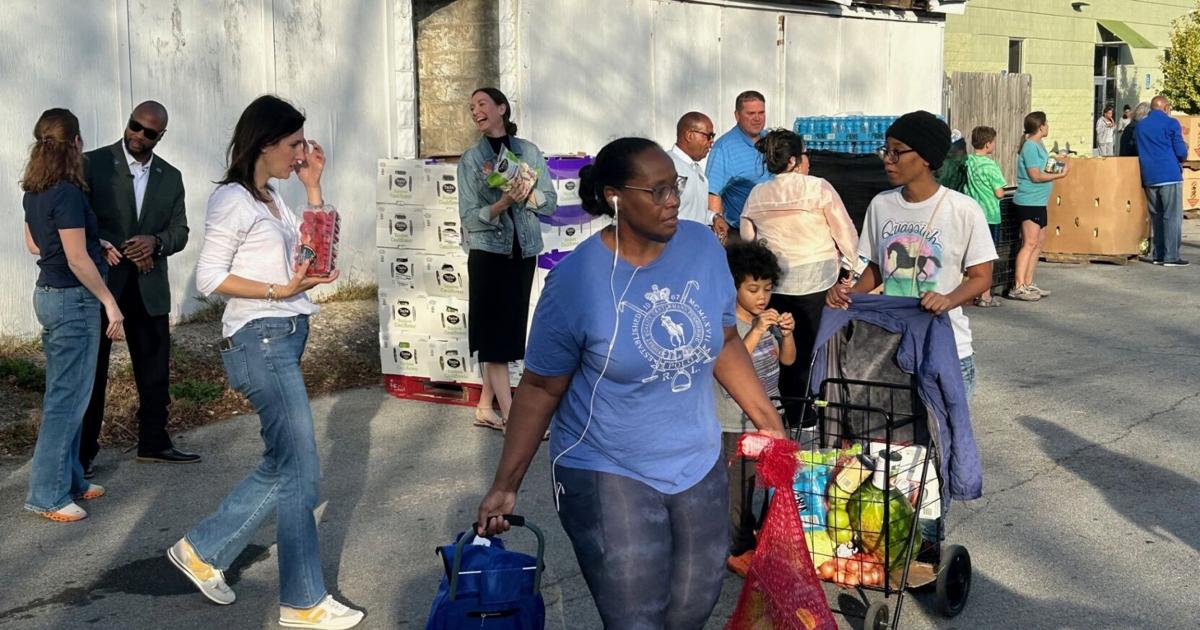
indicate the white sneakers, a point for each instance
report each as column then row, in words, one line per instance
column 68, row 513
column 330, row 614
column 209, row 579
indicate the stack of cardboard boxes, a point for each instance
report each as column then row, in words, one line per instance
column 1191, row 168
column 422, row 264
column 422, row 272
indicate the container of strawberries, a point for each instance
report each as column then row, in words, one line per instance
column 319, row 228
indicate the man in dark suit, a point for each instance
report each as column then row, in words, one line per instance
column 138, row 200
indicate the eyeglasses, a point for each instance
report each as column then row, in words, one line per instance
column 892, row 155
column 707, row 134
column 137, row 127
column 662, row 193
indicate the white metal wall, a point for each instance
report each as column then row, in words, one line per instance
column 205, row 60
column 632, row 67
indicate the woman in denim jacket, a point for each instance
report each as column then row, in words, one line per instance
column 250, row 237
column 61, row 230
column 503, row 238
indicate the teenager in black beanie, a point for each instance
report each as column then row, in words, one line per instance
column 920, row 239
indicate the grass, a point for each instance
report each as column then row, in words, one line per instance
column 351, row 291
column 23, row 373
column 211, row 309
column 338, row 357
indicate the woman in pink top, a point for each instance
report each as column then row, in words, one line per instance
column 802, row 220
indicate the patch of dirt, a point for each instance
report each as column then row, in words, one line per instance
column 342, row 352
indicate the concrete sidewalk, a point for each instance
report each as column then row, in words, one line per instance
column 1086, row 419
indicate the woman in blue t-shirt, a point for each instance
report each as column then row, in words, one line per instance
column 628, row 335
column 1034, row 182
column 61, row 230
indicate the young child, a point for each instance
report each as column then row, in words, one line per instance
column 985, row 184
column 768, row 338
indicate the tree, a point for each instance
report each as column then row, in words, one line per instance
column 1181, row 67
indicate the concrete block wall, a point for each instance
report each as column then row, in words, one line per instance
column 1059, row 53
column 457, row 49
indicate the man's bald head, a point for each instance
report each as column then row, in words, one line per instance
column 152, row 111
column 694, row 135
column 1160, row 103
column 691, row 120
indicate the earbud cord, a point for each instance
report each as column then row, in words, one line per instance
column 558, row 487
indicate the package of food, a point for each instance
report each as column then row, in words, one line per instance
column 319, row 228
column 506, row 170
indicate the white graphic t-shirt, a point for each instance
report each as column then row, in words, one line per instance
column 916, row 256
column 655, row 417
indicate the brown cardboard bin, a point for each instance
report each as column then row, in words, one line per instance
column 1190, row 126
column 1191, row 186
column 1098, row 209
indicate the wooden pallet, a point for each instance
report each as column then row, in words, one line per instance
column 1080, row 259
column 418, row 388
column 1193, row 213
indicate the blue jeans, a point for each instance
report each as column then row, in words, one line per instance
column 930, row 526
column 263, row 362
column 651, row 560
column 1166, row 221
column 70, row 320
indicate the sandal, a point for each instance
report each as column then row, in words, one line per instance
column 982, row 303
column 487, row 418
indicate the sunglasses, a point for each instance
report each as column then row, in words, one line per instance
column 707, row 134
column 137, row 127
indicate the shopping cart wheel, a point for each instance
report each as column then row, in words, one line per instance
column 876, row 617
column 953, row 580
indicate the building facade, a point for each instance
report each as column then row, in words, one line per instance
column 1081, row 55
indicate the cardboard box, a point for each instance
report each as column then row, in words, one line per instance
column 402, row 181
column 452, row 362
column 442, row 231
column 448, row 317
column 405, row 355
column 567, row 191
column 1098, row 209
column 400, row 225
column 1191, row 135
column 400, row 269
column 441, row 181
column 445, row 275
column 405, row 312
column 1191, row 189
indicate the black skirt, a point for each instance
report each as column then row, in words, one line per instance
column 499, row 296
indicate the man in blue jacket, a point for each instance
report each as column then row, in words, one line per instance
column 1160, row 150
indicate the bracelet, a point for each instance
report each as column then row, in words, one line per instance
column 270, row 293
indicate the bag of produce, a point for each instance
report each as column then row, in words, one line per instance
column 507, row 171
column 865, row 511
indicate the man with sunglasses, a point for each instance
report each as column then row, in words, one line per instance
column 693, row 140
column 139, row 203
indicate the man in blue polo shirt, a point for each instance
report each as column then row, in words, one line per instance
column 734, row 165
column 1160, row 150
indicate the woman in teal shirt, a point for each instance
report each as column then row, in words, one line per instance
column 1029, row 204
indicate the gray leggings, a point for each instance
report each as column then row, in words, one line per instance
column 651, row 560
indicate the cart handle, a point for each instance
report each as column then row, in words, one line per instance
column 515, row 520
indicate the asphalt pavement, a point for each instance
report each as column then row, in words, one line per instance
column 1086, row 418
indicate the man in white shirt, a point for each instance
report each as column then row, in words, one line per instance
column 693, row 140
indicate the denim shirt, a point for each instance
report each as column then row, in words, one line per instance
column 495, row 234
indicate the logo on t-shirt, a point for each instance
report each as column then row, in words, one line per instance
column 912, row 258
column 672, row 332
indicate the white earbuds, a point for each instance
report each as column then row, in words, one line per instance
column 615, row 202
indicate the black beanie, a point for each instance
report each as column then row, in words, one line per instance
column 925, row 134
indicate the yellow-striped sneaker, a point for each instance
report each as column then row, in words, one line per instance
column 209, row 579
column 330, row 614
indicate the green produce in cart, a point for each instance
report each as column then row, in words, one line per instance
column 866, row 509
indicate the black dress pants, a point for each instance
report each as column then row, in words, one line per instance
column 149, row 339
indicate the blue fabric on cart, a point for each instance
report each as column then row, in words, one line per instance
column 927, row 349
